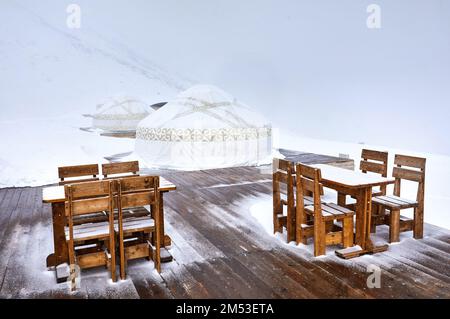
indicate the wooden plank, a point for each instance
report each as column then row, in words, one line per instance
column 92, row 260
column 378, row 168
column 410, row 161
column 120, row 168
column 408, row 174
column 52, row 194
column 137, row 251
column 374, row 155
column 77, row 171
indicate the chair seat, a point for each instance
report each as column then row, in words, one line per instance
column 308, row 200
column 331, row 211
column 394, row 202
column 89, row 231
column 376, row 191
column 136, row 224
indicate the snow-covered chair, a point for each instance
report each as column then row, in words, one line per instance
column 84, row 199
column 132, row 192
column 412, row 169
column 308, row 179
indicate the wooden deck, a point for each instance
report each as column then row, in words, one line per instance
column 220, row 251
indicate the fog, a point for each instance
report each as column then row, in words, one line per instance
column 310, row 66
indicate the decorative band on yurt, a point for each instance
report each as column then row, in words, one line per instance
column 202, row 135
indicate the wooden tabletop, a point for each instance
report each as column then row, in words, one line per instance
column 55, row 194
column 351, row 179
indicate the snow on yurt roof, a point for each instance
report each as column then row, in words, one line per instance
column 121, row 105
column 202, row 107
column 120, row 113
column 204, row 127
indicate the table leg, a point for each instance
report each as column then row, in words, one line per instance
column 341, row 197
column 60, row 255
column 363, row 221
column 165, row 239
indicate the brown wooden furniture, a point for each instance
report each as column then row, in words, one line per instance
column 88, row 198
column 359, row 185
column 375, row 162
column 119, row 169
column 133, row 192
column 88, row 173
column 308, row 179
column 284, row 177
column 55, row 196
column 412, row 169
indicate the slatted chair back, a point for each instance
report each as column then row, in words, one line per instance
column 375, row 162
column 87, row 198
column 283, row 173
column 308, row 180
column 87, row 173
column 139, row 191
column 127, row 168
column 412, row 169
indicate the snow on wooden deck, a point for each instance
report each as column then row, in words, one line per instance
column 222, row 248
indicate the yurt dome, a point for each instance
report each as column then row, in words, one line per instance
column 120, row 114
column 204, row 127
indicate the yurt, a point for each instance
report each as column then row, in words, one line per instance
column 120, row 114
column 204, row 127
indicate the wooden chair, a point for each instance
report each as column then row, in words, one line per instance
column 375, row 162
column 412, row 169
column 284, row 173
column 89, row 173
column 133, row 192
column 119, row 169
column 88, row 198
column 308, row 179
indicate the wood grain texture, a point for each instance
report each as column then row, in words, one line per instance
column 219, row 250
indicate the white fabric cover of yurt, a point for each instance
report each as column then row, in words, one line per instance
column 203, row 128
column 120, row 113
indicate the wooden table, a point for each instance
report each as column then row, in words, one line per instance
column 358, row 185
column 54, row 195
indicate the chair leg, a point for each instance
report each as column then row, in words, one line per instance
column 157, row 257
column 112, row 251
column 347, row 232
column 122, row 257
column 277, row 227
column 373, row 222
column 394, row 227
column 72, row 266
column 418, row 223
column 319, row 239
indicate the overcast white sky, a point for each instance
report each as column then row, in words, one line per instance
column 312, row 66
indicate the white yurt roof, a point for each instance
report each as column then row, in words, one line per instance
column 204, row 127
column 120, row 113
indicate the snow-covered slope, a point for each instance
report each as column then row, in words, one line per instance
column 47, row 70
column 49, row 77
